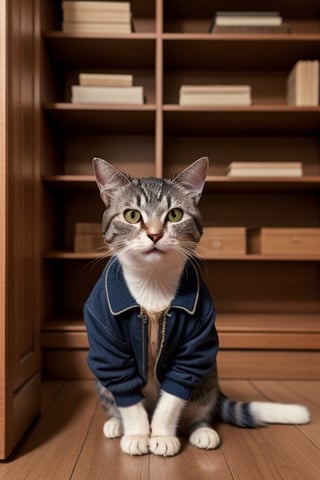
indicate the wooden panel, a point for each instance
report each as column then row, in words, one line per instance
column 285, row 241
column 272, row 341
column 20, row 216
column 264, row 364
column 24, row 184
column 66, row 364
column 222, row 241
column 64, row 340
column 26, row 406
column 3, row 233
column 264, row 287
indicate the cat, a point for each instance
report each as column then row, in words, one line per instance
column 150, row 320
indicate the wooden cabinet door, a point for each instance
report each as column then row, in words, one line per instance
column 19, row 220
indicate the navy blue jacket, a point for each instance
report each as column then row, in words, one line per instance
column 118, row 337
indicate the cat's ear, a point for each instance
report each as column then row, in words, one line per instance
column 193, row 178
column 109, row 179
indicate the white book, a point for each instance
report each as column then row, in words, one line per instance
column 219, row 99
column 247, row 13
column 105, row 80
column 196, row 89
column 294, row 81
column 303, row 84
column 84, row 94
column 247, row 19
column 314, row 83
column 265, row 169
column 99, row 16
column 95, row 6
column 94, row 27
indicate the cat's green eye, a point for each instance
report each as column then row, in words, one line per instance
column 132, row 216
column 175, row 215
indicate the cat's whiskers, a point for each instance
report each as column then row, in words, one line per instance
column 187, row 250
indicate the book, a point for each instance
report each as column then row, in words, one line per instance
column 89, row 94
column 105, row 80
column 303, row 84
column 99, row 16
column 248, row 13
column 284, row 28
column 236, row 100
column 215, row 88
column 247, row 19
column 95, row 27
column 215, row 95
column 95, row 6
column 265, row 169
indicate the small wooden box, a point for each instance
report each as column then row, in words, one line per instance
column 88, row 237
column 222, row 241
column 284, row 241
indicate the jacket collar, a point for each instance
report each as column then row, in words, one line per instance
column 120, row 299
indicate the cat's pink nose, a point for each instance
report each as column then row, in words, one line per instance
column 155, row 236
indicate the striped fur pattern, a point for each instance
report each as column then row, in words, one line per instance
column 153, row 198
column 236, row 413
column 152, row 250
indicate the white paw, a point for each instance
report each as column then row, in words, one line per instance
column 167, row 446
column 135, row 444
column 205, row 437
column 112, row 428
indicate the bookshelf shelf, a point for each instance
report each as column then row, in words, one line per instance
column 263, row 302
column 213, row 183
column 71, row 255
column 239, row 37
column 217, row 183
column 96, row 107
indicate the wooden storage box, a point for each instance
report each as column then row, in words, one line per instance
column 88, row 237
column 222, row 241
column 284, row 241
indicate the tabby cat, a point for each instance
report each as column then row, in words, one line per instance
column 150, row 320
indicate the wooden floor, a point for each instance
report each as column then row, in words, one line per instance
column 67, row 442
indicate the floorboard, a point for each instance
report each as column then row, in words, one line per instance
column 52, row 449
column 67, row 442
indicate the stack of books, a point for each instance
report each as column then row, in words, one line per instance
column 96, row 17
column 215, row 95
column 106, row 88
column 303, row 84
column 265, row 169
column 248, row 22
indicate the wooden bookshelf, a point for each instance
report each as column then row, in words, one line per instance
column 268, row 307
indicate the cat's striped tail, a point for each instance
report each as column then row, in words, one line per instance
column 255, row 414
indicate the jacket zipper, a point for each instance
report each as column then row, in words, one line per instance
column 144, row 318
column 162, row 331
